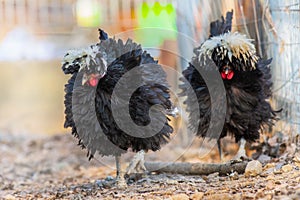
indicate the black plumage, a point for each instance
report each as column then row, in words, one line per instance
column 96, row 71
column 245, row 77
column 80, row 116
column 155, row 91
column 219, row 27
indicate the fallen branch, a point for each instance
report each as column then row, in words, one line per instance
column 196, row 168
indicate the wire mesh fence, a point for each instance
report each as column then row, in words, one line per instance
column 283, row 45
column 36, row 13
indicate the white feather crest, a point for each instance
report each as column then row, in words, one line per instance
column 89, row 53
column 231, row 44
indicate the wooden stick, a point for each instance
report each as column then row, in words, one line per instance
column 196, row 168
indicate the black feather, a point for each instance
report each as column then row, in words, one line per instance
column 154, row 92
column 102, row 35
column 219, row 27
column 88, row 109
column 247, row 107
column 247, row 94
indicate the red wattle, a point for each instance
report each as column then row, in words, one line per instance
column 93, row 82
column 230, row 75
column 223, row 75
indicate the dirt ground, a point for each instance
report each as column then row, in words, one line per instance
column 54, row 167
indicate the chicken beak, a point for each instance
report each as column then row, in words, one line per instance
column 85, row 78
column 226, row 70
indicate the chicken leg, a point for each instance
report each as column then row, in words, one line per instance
column 120, row 180
column 241, row 154
column 137, row 165
column 220, row 150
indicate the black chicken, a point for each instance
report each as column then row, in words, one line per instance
column 89, row 100
column 246, row 80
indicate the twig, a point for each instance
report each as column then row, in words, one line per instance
column 196, row 168
column 256, row 28
column 243, row 18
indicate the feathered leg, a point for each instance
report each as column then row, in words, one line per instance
column 120, row 180
column 137, row 165
column 241, row 154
